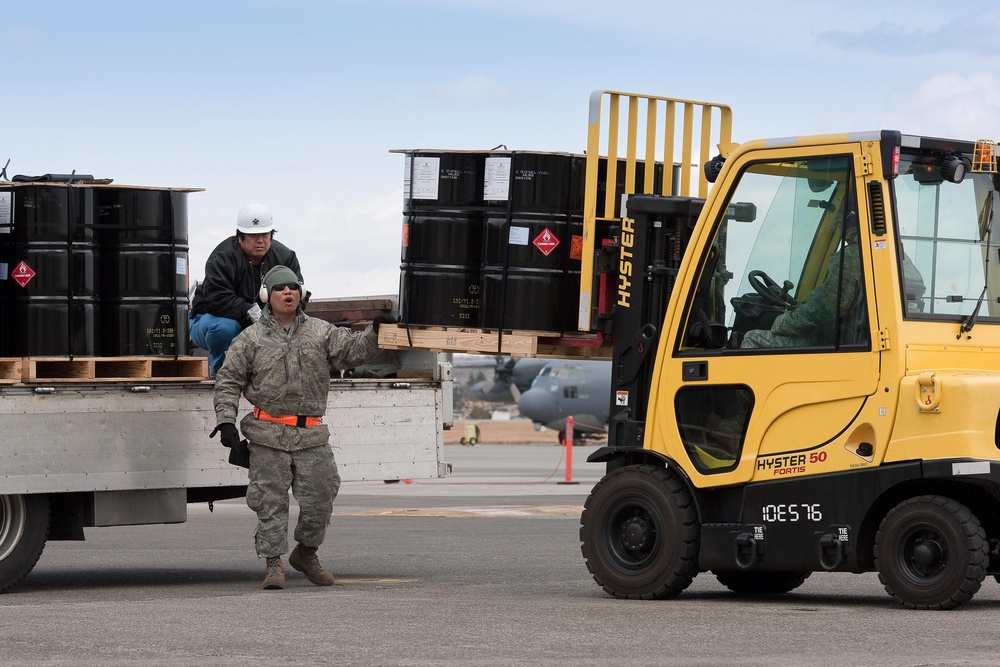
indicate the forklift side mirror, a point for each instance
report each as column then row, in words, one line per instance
column 742, row 211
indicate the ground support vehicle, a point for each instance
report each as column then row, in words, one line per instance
column 806, row 367
column 110, row 442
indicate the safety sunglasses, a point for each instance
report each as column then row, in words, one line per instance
column 280, row 287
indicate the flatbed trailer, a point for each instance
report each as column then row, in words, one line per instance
column 77, row 454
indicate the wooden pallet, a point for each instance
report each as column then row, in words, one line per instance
column 477, row 341
column 345, row 312
column 10, row 370
column 109, row 369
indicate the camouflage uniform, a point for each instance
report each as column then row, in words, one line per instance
column 812, row 322
column 287, row 372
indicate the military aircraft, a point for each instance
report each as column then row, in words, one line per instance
column 512, row 377
column 564, row 387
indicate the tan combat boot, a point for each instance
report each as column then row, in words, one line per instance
column 275, row 578
column 304, row 560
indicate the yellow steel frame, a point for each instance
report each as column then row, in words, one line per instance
column 609, row 148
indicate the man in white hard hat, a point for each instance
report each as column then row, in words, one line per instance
column 227, row 301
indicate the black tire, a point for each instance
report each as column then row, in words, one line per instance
column 931, row 553
column 761, row 583
column 24, row 527
column 472, row 442
column 640, row 533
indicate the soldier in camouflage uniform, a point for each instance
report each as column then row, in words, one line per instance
column 282, row 365
column 811, row 322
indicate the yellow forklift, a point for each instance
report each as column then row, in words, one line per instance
column 806, row 369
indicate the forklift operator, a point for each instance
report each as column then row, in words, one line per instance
column 815, row 320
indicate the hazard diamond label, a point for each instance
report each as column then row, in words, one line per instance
column 22, row 273
column 546, row 241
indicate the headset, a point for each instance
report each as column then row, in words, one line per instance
column 264, row 296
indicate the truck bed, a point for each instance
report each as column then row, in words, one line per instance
column 144, row 434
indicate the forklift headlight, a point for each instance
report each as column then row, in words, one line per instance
column 954, row 169
column 713, row 167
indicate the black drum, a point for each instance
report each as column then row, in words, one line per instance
column 449, row 238
column 48, row 298
column 442, row 238
column 144, row 271
column 537, row 183
column 145, row 327
column 442, row 296
column 533, row 243
column 141, row 215
column 443, row 181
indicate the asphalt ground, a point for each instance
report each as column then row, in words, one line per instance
column 480, row 568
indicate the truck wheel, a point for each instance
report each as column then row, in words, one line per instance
column 931, row 553
column 761, row 583
column 24, row 527
column 640, row 533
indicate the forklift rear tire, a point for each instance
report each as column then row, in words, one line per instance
column 761, row 583
column 640, row 533
column 931, row 553
column 24, row 528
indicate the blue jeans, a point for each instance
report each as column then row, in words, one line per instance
column 213, row 334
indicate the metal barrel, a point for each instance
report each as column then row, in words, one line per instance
column 48, row 271
column 533, row 238
column 144, row 271
column 442, row 238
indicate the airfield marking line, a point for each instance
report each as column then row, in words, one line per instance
column 458, row 512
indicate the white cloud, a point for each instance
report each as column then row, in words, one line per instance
column 349, row 251
column 889, row 38
column 343, row 251
column 961, row 106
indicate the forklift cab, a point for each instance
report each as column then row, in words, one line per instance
column 799, row 249
column 784, row 279
column 784, row 274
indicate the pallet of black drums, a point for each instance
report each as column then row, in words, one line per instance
column 492, row 240
column 91, row 270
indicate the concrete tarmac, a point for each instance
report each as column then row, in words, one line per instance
column 480, row 568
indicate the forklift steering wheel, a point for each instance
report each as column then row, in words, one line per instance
column 772, row 293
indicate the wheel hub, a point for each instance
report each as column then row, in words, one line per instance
column 927, row 554
column 635, row 533
column 12, row 520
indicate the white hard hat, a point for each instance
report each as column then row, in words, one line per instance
column 254, row 219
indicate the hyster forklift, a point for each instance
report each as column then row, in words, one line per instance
column 806, row 363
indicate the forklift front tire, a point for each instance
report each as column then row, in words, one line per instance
column 640, row 533
column 931, row 553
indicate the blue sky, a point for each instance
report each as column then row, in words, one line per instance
column 297, row 103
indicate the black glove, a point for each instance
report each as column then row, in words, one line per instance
column 230, row 437
column 382, row 318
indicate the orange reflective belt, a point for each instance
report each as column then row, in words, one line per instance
column 288, row 420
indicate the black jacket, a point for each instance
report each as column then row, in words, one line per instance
column 231, row 283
